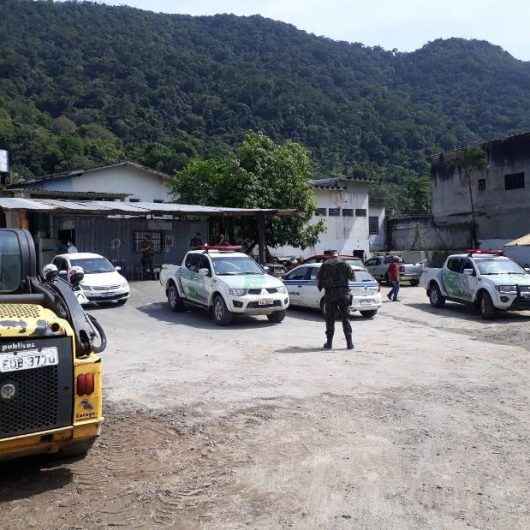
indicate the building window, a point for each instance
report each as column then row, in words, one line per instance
column 156, row 240
column 373, row 225
column 514, row 181
column 481, row 184
column 347, row 212
column 334, row 212
column 360, row 212
column 320, row 212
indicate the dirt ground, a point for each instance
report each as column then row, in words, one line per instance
column 425, row 425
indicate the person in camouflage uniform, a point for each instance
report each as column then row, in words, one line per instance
column 333, row 277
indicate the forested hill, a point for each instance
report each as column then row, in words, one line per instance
column 82, row 84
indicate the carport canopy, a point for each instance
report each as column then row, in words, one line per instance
column 144, row 209
column 135, row 209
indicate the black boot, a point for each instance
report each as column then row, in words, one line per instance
column 349, row 342
column 328, row 345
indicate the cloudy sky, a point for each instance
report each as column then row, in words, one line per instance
column 402, row 24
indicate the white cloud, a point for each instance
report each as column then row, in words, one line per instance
column 402, row 24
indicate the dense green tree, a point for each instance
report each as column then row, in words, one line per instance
column 163, row 89
column 258, row 174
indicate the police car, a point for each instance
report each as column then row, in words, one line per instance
column 491, row 282
column 227, row 283
column 302, row 286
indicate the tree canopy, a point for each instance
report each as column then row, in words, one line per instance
column 258, row 174
column 83, row 84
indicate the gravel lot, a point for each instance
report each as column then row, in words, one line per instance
column 425, row 425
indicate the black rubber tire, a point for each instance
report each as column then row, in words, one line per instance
column 369, row 314
column 435, row 296
column 487, row 309
column 414, row 283
column 276, row 317
column 221, row 315
column 174, row 300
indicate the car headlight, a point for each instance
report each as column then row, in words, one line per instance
column 238, row 292
column 509, row 289
column 282, row 289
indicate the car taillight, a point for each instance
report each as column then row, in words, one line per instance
column 85, row 384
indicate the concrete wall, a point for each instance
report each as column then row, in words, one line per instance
column 378, row 242
column 423, row 233
column 142, row 185
column 342, row 233
column 500, row 214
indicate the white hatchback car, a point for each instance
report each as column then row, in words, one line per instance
column 301, row 284
column 102, row 281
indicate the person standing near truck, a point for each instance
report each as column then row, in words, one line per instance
column 393, row 277
column 334, row 276
column 148, row 251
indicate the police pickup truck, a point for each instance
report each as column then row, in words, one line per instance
column 488, row 281
column 226, row 283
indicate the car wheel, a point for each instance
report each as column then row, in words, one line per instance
column 369, row 314
column 276, row 317
column 414, row 283
column 487, row 309
column 221, row 315
column 435, row 296
column 174, row 300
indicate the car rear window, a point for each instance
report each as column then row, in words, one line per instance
column 362, row 276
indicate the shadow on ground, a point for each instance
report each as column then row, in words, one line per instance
column 469, row 312
column 200, row 319
column 25, row 478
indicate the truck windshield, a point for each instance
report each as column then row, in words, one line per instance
column 93, row 265
column 498, row 266
column 224, row 266
column 10, row 263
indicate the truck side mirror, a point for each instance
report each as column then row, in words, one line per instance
column 76, row 276
column 469, row 272
column 204, row 272
column 50, row 272
column 527, row 269
column 117, row 269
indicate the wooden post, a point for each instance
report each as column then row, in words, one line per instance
column 261, row 238
column 23, row 219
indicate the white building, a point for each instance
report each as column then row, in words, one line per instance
column 140, row 183
column 351, row 225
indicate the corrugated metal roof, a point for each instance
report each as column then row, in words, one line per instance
column 15, row 203
column 522, row 241
column 127, row 208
